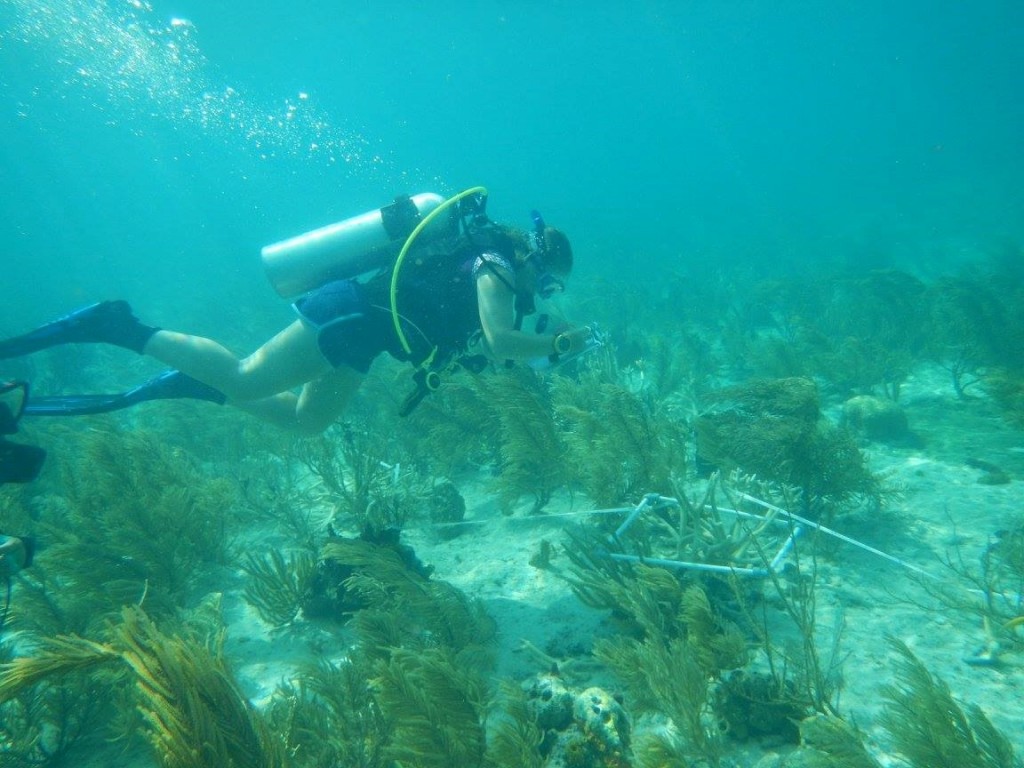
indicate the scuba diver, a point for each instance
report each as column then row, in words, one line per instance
column 19, row 463
column 457, row 293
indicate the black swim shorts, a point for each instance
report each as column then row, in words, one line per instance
column 350, row 332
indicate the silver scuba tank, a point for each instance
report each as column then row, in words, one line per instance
column 350, row 247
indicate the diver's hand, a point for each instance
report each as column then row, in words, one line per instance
column 568, row 344
column 574, row 341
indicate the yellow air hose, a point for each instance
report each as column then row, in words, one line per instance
column 395, row 317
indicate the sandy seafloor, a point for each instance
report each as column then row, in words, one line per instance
column 942, row 512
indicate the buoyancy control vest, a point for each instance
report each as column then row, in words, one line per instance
column 416, row 258
column 437, row 295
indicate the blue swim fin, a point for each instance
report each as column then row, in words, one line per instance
column 106, row 322
column 169, row 385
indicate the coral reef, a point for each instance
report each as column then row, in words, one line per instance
column 581, row 729
column 877, row 418
column 277, row 587
column 619, row 446
column 192, row 711
column 133, row 517
column 929, row 727
column 756, row 705
column 774, row 429
column 446, row 507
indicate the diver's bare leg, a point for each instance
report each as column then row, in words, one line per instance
column 324, row 399
column 318, row 406
column 288, row 360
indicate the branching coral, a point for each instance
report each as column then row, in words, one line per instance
column 516, row 735
column 454, row 429
column 831, row 742
column 966, row 329
column 359, row 476
column 667, row 678
column 404, row 609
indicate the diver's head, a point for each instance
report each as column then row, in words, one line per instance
column 557, row 254
column 549, row 257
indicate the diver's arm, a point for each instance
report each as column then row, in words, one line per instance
column 497, row 320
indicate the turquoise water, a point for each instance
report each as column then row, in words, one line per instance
column 151, row 149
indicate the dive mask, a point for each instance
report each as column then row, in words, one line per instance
column 547, row 283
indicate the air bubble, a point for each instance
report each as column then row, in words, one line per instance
column 119, row 58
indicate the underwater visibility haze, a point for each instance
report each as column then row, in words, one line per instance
column 172, row 140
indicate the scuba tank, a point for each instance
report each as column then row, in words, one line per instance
column 350, row 247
